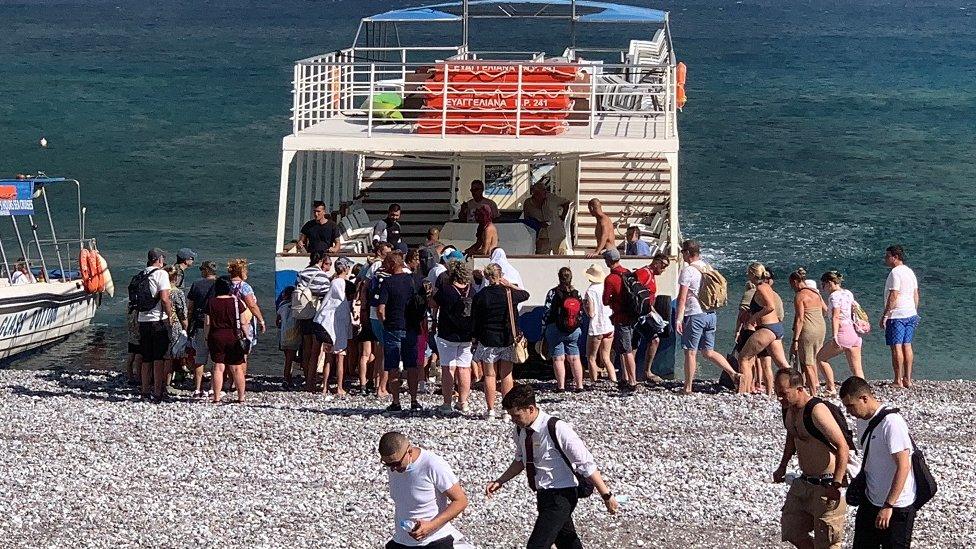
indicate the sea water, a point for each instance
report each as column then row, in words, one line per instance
column 816, row 134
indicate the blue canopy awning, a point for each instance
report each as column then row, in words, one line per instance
column 590, row 12
column 37, row 181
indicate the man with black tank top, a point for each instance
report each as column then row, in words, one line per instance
column 814, row 501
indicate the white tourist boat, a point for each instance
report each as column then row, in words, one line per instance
column 375, row 124
column 50, row 288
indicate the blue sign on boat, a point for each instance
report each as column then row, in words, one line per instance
column 15, row 198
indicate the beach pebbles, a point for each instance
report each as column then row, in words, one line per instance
column 85, row 463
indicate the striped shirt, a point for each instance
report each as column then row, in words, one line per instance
column 315, row 279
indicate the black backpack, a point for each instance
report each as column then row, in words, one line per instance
column 925, row 484
column 140, row 292
column 637, row 298
column 811, row 427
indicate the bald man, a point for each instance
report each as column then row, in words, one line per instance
column 605, row 237
column 426, row 495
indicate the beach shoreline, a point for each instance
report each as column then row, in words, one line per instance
column 85, row 460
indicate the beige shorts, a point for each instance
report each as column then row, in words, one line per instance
column 807, row 509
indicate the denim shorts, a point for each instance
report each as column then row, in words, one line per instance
column 399, row 345
column 560, row 343
column 899, row 331
column 699, row 332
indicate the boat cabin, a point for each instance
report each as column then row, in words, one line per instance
column 415, row 123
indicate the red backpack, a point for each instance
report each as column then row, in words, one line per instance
column 569, row 309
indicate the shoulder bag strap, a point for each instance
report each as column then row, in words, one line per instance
column 551, row 425
column 511, row 313
column 237, row 319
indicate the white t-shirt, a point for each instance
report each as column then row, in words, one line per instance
column 18, row 278
column 889, row 437
column 902, row 279
column 600, row 324
column 841, row 299
column 158, row 281
column 418, row 493
column 692, row 278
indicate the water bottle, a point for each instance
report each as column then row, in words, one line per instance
column 408, row 525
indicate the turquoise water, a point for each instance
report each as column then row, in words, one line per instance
column 816, row 134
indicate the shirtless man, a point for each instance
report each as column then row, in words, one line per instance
column 814, row 502
column 487, row 239
column 605, row 237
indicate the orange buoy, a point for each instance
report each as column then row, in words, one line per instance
column 88, row 270
column 95, row 266
column 679, row 93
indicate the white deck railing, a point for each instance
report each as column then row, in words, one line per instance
column 601, row 100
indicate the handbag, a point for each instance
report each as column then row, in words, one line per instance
column 242, row 340
column 859, row 317
column 520, row 347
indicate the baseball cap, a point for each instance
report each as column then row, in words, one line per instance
column 454, row 256
column 155, row 255
column 185, row 253
column 612, row 254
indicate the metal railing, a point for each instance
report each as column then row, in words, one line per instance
column 62, row 257
column 621, row 100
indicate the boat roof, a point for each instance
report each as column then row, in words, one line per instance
column 37, row 181
column 586, row 11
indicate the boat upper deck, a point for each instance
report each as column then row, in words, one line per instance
column 383, row 97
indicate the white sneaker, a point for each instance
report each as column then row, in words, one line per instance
column 490, row 414
column 465, row 408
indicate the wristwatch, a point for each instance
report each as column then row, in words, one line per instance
column 887, row 506
column 607, row 496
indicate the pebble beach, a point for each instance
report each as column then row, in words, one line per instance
column 84, row 462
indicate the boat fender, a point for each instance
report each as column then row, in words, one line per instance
column 681, row 74
column 88, row 269
column 108, row 285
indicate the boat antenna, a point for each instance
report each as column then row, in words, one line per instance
column 464, row 25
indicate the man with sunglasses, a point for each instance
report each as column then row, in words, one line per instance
column 426, row 495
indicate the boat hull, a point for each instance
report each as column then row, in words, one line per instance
column 34, row 315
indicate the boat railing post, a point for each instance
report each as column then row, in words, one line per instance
column 40, row 252
column 518, row 104
column 447, row 80
column 20, row 241
column 593, row 79
column 403, row 70
column 6, row 264
column 54, row 235
column 369, row 116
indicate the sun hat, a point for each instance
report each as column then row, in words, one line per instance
column 595, row 274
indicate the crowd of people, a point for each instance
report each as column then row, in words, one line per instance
column 406, row 312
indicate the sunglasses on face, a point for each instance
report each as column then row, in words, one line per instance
column 398, row 464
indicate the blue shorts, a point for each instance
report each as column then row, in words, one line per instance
column 699, row 332
column 560, row 343
column 399, row 345
column 899, row 331
column 377, row 326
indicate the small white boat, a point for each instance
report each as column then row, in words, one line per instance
column 51, row 287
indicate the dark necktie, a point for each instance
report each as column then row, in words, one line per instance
column 529, row 458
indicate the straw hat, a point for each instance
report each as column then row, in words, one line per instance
column 595, row 274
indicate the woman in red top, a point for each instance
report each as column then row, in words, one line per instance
column 226, row 316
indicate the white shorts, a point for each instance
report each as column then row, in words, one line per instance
column 492, row 355
column 453, row 353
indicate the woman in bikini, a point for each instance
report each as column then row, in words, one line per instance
column 769, row 330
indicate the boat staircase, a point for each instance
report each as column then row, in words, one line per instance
column 423, row 191
column 634, row 190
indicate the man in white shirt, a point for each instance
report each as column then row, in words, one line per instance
column 695, row 325
column 554, row 468
column 154, row 325
column 426, row 495
column 900, row 317
column 478, row 199
column 887, row 518
column 22, row 274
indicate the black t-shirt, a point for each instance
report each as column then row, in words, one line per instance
column 452, row 322
column 200, row 293
column 396, row 292
column 320, row 236
column 490, row 311
column 392, row 231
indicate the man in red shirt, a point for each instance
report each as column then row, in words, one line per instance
column 646, row 276
column 623, row 320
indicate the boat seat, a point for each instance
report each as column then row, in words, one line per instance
column 361, row 217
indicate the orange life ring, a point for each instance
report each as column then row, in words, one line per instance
column 681, row 75
column 87, row 275
column 95, row 266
